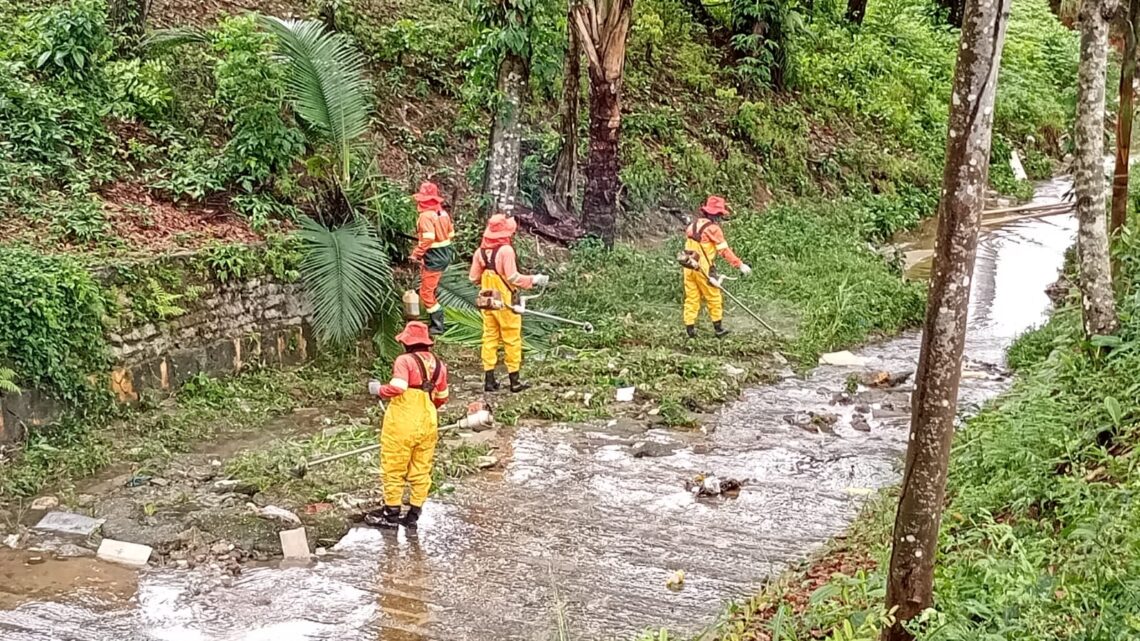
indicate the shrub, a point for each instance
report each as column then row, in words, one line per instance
column 251, row 91
column 73, row 40
column 52, row 334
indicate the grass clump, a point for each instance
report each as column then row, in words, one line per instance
column 146, row 438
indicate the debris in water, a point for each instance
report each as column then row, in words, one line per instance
column 708, row 485
column 860, row 424
column 676, row 580
column 625, row 394
column 68, row 523
column 129, row 554
column 137, row 480
column 486, row 461
column 274, row 513
column 294, row 544
column 44, row 503
column 885, row 379
column 842, row 359
column 13, row 541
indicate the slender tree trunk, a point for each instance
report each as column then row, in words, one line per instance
column 1098, row 304
column 910, row 585
column 1124, row 119
column 129, row 17
column 856, row 9
column 501, row 185
column 566, row 166
column 603, row 28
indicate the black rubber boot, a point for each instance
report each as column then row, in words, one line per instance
column 411, row 518
column 691, row 331
column 721, row 332
column 489, row 382
column 436, row 323
column 517, row 385
column 389, row 517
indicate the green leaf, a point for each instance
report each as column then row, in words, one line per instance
column 1114, row 410
column 1108, row 341
column 346, row 274
column 326, row 82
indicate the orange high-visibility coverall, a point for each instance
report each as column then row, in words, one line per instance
column 494, row 267
column 433, row 249
column 705, row 238
column 410, row 430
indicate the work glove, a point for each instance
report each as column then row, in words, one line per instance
column 745, row 269
column 541, row 280
column 374, row 387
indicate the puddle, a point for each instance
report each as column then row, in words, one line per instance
column 35, row 576
column 576, row 527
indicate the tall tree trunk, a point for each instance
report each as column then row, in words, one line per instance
column 501, row 185
column 856, row 10
column 566, row 165
column 599, row 204
column 603, row 28
column 1098, row 305
column 910, row 585
column 1124, row 119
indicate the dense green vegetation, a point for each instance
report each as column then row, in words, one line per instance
column 824, row 138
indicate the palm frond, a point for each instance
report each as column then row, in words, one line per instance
column 326, row 83
column 456, row 291
column 174, row 37
column 346, row 274
column 465, row 328
column 8, row 381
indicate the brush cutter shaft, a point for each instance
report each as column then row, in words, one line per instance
column 745, row 308
column 479, row 418
column 587, row 327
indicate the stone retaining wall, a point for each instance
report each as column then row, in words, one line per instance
column 227, row 328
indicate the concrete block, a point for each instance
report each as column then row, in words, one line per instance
column 295, row 544
column 68, row 523
column 128, row 554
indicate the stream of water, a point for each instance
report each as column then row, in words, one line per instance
column 577, row 529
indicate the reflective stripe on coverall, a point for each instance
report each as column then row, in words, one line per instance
column 434, row 231
column 410, row 430
column 501, row 326
column 706, row 239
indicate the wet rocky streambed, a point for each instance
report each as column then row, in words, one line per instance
column 581, row 524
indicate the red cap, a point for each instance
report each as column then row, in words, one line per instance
column 714, row 206
column 415, row 333
column 499, row 227
column 428, row 194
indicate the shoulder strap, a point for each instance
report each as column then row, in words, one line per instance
column 696, row 232
column 426, row 384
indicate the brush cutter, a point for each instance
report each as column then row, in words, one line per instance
column 492, row 300
column 689, row 261
column 479, row 418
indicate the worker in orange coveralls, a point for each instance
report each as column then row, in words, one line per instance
column 704, row 240
column 493, row 267
column 411, row 426
column 433, row 249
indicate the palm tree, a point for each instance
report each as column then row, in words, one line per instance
column 345, row 268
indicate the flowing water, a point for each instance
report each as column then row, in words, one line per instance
column 578, row 531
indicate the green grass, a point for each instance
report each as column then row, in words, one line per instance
column 269, row 467
column 79, row 446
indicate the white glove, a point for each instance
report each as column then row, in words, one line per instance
column 374, row 387
column 745, row 269
column 541, row 280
